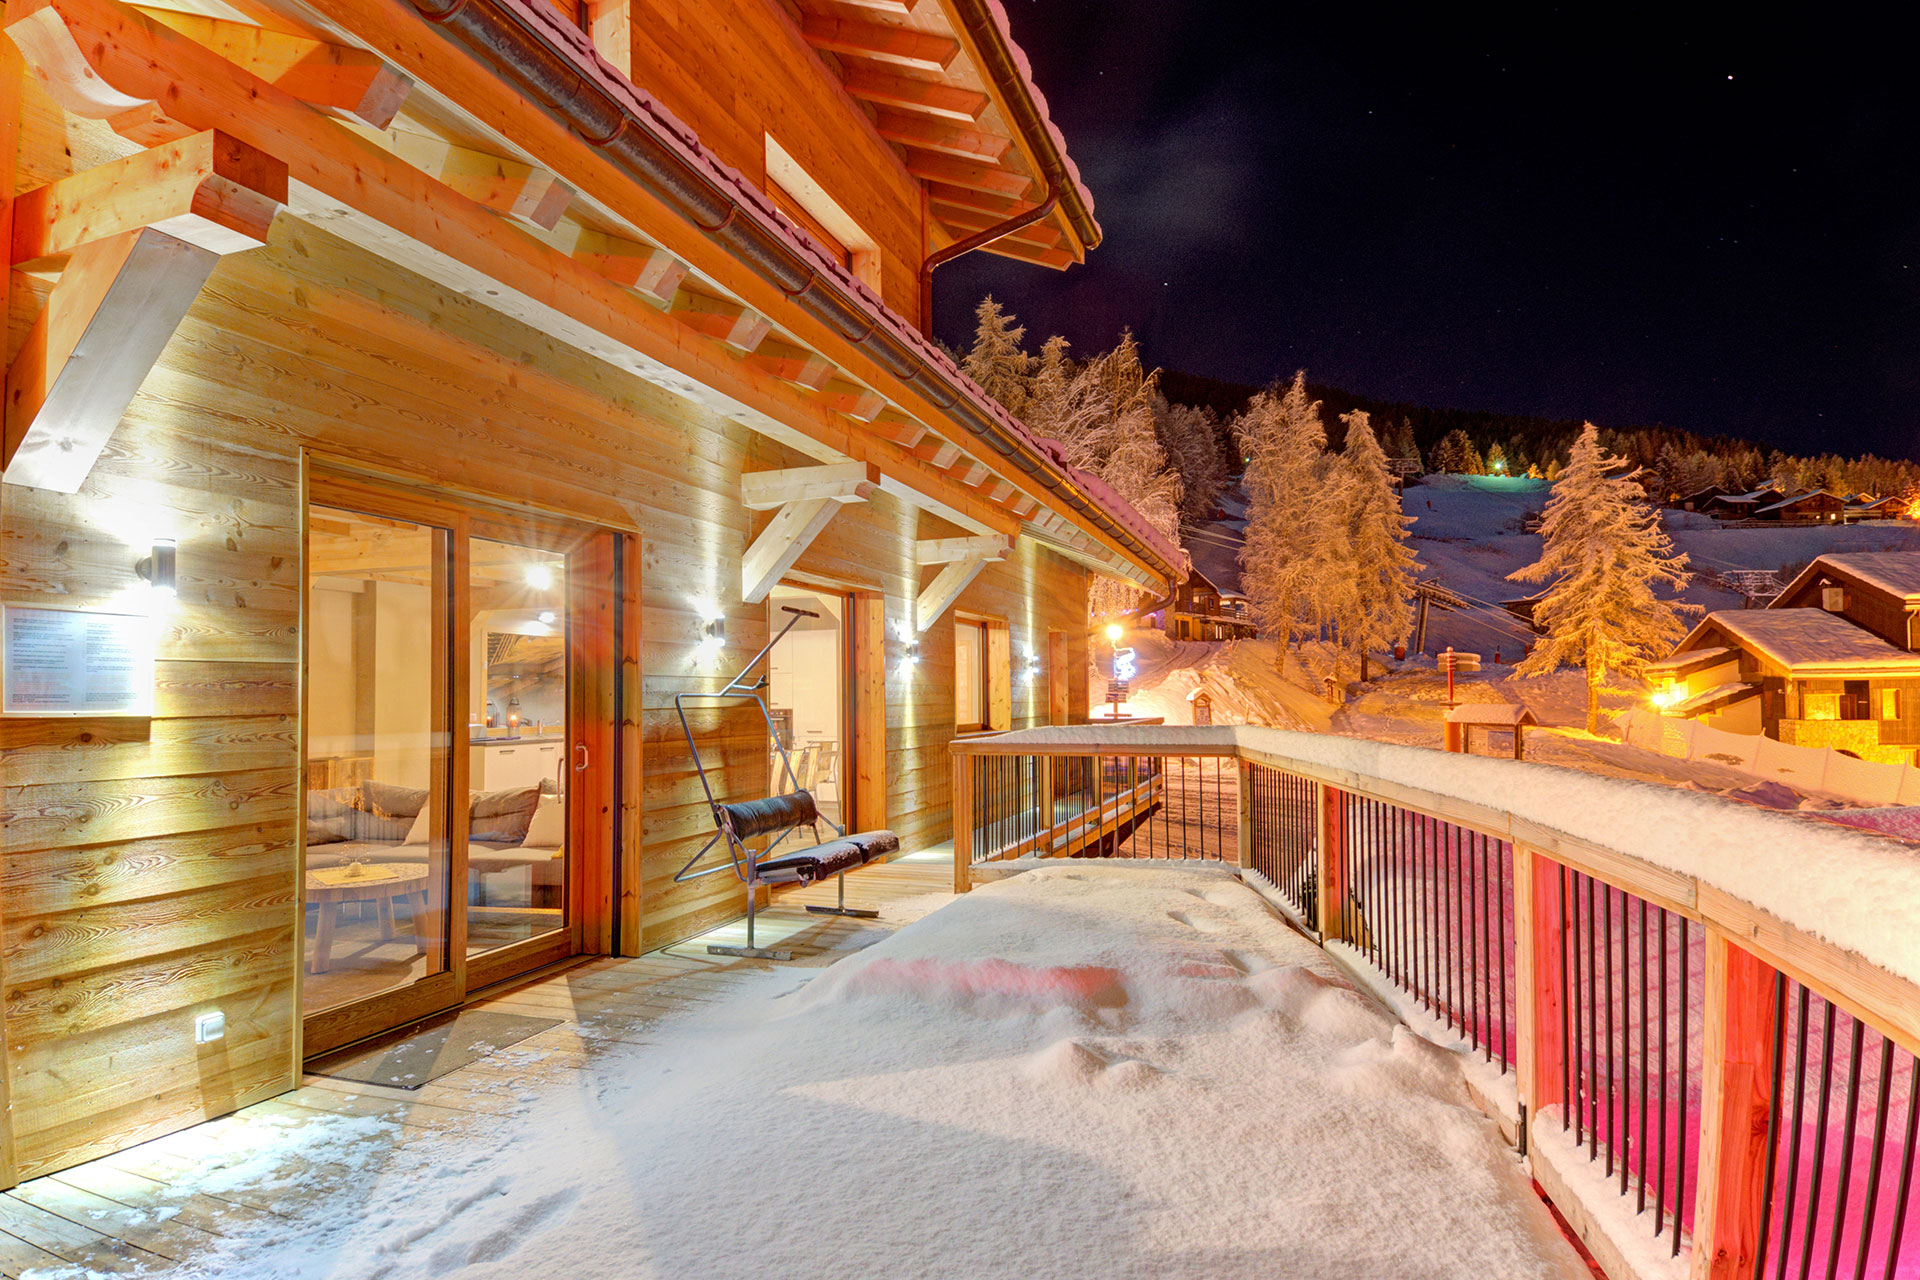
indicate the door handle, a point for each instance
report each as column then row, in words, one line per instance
column 580, row 757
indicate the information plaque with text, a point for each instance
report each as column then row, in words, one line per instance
column 70, row 662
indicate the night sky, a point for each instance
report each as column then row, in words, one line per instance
column 1582, row 214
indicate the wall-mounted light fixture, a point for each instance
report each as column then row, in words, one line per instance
column 1033, row 662
column 714, row 633
column 548, row 617
column 158, row 568
column 540, row 577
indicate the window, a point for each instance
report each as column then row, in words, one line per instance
column 969, row 675
column 1820, row 706
column 1856, row 702
column 1833, row 599
column 807, row 205
column 1889, row 704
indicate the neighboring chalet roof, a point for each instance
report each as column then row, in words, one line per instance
column 1718, row 698
column 1895, row 572
column 1500, row 715
column 1798, row 498
column 1803, row 640
column 1680, row 664
column 1866, row 502
column 1218, row 564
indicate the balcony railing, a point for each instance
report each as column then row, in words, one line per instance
column 1677, row 1006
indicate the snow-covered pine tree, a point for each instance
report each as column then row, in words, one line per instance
column 996, row 360
column 1399, row 444
column 1456, row 455
column 1190, row 437
column 1375, row 581
column 1496, row 460
column 1284, row 561
column 1604, row 551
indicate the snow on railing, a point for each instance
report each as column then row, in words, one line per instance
column 1697, row 1018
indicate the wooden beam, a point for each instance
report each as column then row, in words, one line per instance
column 999, row 208
column 112, row 312
column 852, row 399
column 901, row 46
column 1022, row 504
column 798, row 523
column 792, row 364
column 726, row 322
column 335, row 77
column 837, row 482
column 207, row 190
column 502, row 184
column 1046, row 234
column 1010, row 247
column 897, row 427
column 648, row 270
column 999, row 491
column 892, row 8
column 936, row 452
column 947, row 550
column 930, row 166
column 969, row 472
column 945, row 588
column 926, row 97
column 937, row 135
column 1736, row 1086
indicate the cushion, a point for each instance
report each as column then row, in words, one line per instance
column 750, row 818
column 387, row 811
column 502, row 817
column 330, row 814
column 422, row 827
column 548, row 829
column 817, row 863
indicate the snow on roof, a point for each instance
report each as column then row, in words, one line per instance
column 1800, row 497
column 1691, row 658
column 1894, row 572
column 548, row 22
column 1808, row 640
column 1753, row 496
column 1721, row 695
column 1494, row 713
column 1834, row 884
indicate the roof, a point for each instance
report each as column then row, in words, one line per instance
column 1755, row 495
column 1714, row 699
column 1499, row 714
column 1692, row 660
column 1895, row 572
column 1865, row 500
column 1804, row 640
column 668, row 129
column 1801, row 497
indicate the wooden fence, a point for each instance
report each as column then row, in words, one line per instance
column 1700, row 1087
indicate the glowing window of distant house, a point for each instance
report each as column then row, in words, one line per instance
column 808, row 206
column 1889, row 704
column 1833, row 599
column 1820, row 706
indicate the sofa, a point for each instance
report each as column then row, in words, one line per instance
column 515, row 837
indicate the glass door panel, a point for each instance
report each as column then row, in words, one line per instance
column 377, row 816
column 806, row 695
column 517, row 730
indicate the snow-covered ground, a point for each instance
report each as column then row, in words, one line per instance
column 1088, row 1070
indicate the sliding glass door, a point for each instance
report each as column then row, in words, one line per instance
column 446, row 758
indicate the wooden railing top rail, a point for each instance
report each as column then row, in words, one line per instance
column 1837, row 909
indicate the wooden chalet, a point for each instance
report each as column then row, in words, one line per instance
column 405, row 402
column 1865, row 506
column 1833, row 661
column 1201, row 610
column 1816, row 506
column 1699, row 498
column 1739, row 506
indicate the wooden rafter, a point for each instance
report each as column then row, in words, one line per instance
column 649, row 271
column 852, row 399
column 936, row 452
column 897, row 427
column 352, row 81
column 724, row 321
column 947, row 550
column 930, row 134
column 930, row 166
column 924, row 96
column 1045, row 235
column 501, row 183
column 793, row 364
column 938, row 596
column 900, row 46
column 808, row 497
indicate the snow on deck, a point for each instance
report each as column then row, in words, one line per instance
column 1088, row 1070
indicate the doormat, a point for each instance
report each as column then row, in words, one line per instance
column 428, row 1050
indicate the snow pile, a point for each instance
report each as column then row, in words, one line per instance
column 1087, row 1070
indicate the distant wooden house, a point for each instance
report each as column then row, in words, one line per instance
column 1816, row 506
column 1740, row 506
column 1832, row 662
column 1868, row 507
column 1202, row 611
column 1699, row 498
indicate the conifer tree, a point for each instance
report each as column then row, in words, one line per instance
column 1374, row 582
column 996, row 361
column 1285, row 566
column 1496, row 460
column 1603, row 552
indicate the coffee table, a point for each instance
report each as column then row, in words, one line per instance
column 332, row 888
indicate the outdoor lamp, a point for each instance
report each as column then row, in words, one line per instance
column 1113, row 632
column 714, row 632
column 158, row 568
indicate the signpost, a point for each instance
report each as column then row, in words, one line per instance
column 1123, row 673
column 1451, row 661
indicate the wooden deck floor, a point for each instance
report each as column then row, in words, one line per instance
column 167, row 1199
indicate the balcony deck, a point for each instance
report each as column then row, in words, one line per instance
column 163, row 1201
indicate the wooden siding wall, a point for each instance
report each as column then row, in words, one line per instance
column 149, row 869
column 737, row 70
column 1867, row 607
